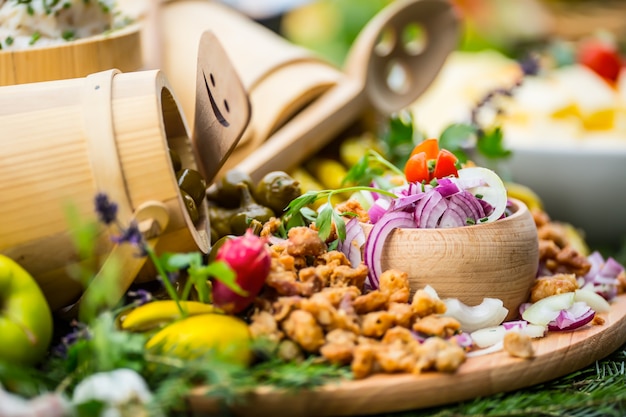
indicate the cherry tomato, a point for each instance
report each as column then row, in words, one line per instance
column 428, row 146
column 446, row 164
column 601, row 58
column 416, row 168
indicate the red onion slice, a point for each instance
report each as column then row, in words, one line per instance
column 351, row 245
column 375, row 242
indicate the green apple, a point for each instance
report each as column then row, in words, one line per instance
column 25, row 316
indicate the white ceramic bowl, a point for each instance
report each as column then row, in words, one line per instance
column 582, row 185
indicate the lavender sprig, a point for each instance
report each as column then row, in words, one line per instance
column 107, row 213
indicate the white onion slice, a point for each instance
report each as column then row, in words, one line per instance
column 547, row 309
column 491, row 312
column 496, row 347
column 593, row 300
column 431, row 292
column 490, row 336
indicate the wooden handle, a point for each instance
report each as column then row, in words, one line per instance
column 152, row 218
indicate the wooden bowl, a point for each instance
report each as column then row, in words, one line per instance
column 119, row 49
column 497, row 260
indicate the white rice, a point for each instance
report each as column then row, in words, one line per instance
column 37, row 23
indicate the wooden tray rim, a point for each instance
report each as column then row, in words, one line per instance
column 557, row 354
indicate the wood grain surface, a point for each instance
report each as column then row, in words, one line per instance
column 557, row 354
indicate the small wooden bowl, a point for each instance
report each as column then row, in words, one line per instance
column 497, row 260
column 119, row 49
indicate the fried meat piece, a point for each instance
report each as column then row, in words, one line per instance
column 346, row 275
column 341, row 297
column 424, row 305
column 395, row 357
column 438, row 354
column 328, row 316
column 301, row 327
column 621, row 280
column 552, row 285
column 518, row 345
column 288, row 351
column 339, row 347
column 283, row 306
column 353, row 206
column 570, row 260
column 364, row 360
column 372, row 301
column 284, row 282
column 436, row 325
column 402, row 313
column 271, row 227
column 332, row 258
column 263, row 324
column 396, row 285
column 304, row 241
column 375, row 324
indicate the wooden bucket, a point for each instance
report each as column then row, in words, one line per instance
column 63, row 142
column 119, row 49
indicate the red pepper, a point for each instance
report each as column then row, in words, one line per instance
column 429, row 146
column 443, row 163
column 446, row 164
column 416, row 168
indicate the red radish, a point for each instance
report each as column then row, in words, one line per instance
column 250, row 258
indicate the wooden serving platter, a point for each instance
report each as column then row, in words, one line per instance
column 557, row 354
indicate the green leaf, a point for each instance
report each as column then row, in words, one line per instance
column 491, row 144
column 302, row 201
column 456, row 138
column 398, row 140
column 90, row 408
column 177, row 261
column 324, row 221
column 359, row 173
column 340, row 224
column 222, row 272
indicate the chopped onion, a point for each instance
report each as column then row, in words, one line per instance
column 491, row 312
column 376, row 211
column 376, row 240
column 574, row 317
column 602, row 276
column 547, row 309
column 446, row 187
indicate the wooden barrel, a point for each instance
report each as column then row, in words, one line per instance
column 65, row 141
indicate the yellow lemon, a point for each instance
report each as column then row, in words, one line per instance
column 524, row 194
column 161, row 312
column 190, row 338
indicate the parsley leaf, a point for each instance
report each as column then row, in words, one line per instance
column 491, row 144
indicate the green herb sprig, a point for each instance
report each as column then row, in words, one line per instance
column 368, row 168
